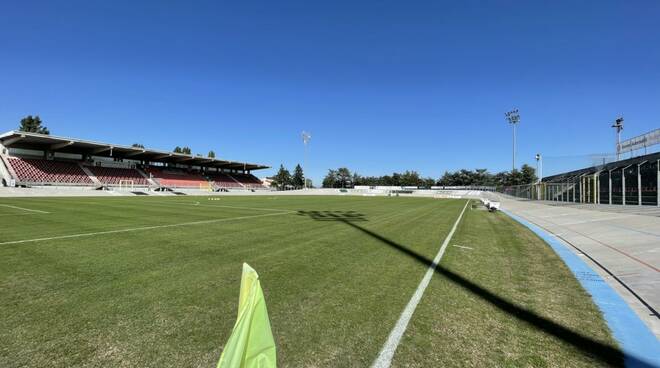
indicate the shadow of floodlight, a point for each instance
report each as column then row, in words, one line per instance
column 340, row 216
column 590, row 347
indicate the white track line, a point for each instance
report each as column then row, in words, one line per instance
column 24, row 209
column 142, row 228
column 384, row 359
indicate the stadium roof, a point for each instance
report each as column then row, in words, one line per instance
column 26, row 140
column 651, row 157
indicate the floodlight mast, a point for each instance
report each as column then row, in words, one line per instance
column 618, row 125
column 513, row 117
column 306, row 137
column 539, row 166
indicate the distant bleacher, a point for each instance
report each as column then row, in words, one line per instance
column 248, row 180
column 222, row 180
column 39, row 171
column 177, row 179
column 114, row 176
column 42, row 159
column 50, row 172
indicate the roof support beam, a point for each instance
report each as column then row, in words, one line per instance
column 13, row 140
column 57, row 146
column 153, row 158
column 181, row 159
column 101, row 149
column 131, row 154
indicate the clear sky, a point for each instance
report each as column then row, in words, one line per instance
column 382, row 85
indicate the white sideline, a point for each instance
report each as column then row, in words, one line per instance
column 384, row 359
column 142, row 228
column 24, row 209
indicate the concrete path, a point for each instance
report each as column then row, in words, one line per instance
column 624, row 248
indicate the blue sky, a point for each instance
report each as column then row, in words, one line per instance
column 382, row 86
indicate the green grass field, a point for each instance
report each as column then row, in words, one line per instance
column 154, row 282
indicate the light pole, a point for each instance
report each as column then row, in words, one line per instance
column 618, row 124
column 539, row 166
column 513, row 117
column 306, row 137
column 539, row 170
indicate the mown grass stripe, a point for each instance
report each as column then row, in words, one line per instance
column 142, row 228
column 384, row 359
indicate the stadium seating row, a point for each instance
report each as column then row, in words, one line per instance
column 39, row 171
column 47, row 171
column 114, row 176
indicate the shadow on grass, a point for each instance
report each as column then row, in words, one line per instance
column 341, row 216
column 590, row 347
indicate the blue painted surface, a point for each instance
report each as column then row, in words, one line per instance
column 640, row 346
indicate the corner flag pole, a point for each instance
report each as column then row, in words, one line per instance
column 251, row 344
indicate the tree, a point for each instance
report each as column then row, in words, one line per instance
column 177, row 149
column 528, row 174
column 411, row 178
column 33, row 125
column 186, row 150
column 343, row 177
column 330, row 179
column 211, row 154
column 137, row 145
column 283, row 178
column 298, row 179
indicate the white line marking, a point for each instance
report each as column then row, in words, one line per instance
column 460, row 246
column 246, row 208
column 594, row 220
column 142, row 228
column 219, row 206
column 384, row 359
column 24, row 209
column 18, row 214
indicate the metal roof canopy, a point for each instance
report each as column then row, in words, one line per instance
column 26, row 140
column 652, row 157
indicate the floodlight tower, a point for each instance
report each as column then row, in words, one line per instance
column 306, row 137
column 539, row 166
column 618, row 125
column 539, row 170
column 513, row 117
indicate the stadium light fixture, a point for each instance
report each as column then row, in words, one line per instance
column 539, row 166
column 513, row 117
column 618, row 125
column 306, row 137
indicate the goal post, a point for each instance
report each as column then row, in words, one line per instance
column 126, row 184
column 206, row 186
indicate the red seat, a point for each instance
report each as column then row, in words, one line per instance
column 178, row 179
column 113, row 176
column 38, row 171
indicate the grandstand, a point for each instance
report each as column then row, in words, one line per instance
column 31, row 159
column 634, row 181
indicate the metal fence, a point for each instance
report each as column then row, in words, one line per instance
column 627, row 182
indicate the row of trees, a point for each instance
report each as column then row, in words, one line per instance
column 187, row 151
column 33, row 124
column 343, row 178
column 481, row 177
column 284, row 180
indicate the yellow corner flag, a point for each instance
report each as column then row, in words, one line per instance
column 251, row 344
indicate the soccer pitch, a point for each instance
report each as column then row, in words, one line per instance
column 154, row 282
